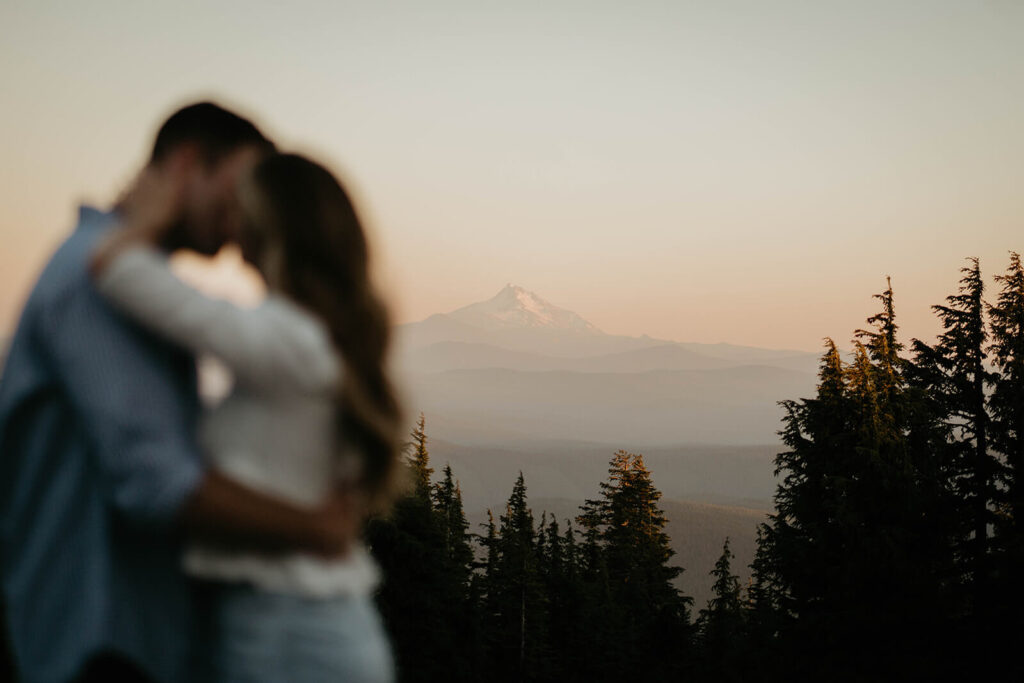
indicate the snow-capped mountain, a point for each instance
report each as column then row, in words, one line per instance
column 515, row 308
column 516, row 366
column 498, row 332
column 520, row 320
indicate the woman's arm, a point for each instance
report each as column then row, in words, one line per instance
column 265, row 346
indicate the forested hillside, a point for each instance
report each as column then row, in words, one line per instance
column 893, row 552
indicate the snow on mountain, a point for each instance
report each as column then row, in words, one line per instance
column 498, row 331
column 517, row 367
column 516, row 308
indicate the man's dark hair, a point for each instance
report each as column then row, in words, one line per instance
column 214, row 130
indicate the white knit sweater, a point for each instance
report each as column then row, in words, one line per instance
column 274, row 432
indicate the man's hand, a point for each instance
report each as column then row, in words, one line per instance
column 339, row 521
column 227, row 513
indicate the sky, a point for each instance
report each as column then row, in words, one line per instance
column 746, row 171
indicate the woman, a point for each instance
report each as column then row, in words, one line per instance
column 311, row 409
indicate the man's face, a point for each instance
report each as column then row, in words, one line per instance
column 210, row 212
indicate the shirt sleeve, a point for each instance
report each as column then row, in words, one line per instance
column 130, row 393
column 264, row 346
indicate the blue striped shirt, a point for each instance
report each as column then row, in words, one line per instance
column 97, row 456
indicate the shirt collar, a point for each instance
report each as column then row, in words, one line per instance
column 90, row 216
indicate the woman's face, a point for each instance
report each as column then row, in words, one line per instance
column 252, row 228
column 258, row 238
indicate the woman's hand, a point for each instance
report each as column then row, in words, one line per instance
column 155, row 202
column 152, row 207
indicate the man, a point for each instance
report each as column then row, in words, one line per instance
column 99, row 471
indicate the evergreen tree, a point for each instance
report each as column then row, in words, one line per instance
column 650, row 616
column 420, row 461
column 850, row 550
column 516, row 609
column 1007, row 348
column 448, row 506
column 460, row 599
column 954, row 373
column 424, row 595
column 883, row 347
column 576, row 607
column 762, row 616
column 600, row 614
column 1007, row 405
column 490, row 543
column 482, row 588
column 800, row 551
column 571, row 566
column 721, row 624
column 725, row 606
column 564, row 596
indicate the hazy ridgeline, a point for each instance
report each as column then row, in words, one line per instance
column 893, row 551
column 518, row 369
column 515, row 384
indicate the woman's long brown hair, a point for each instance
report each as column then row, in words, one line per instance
column 323, row 265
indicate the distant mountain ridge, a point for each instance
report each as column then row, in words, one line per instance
column 736, row 405
column 516, row 366
column 516, row 319
column 457, row 355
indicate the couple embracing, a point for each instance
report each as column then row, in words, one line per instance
column 143, row 537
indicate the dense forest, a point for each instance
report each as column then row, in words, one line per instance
column 893, row 552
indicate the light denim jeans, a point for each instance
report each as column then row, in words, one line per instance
column 261, row 636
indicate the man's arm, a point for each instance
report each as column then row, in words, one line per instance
column 227, row 513
column 125, row 390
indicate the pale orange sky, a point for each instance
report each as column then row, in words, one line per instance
column 731, row 171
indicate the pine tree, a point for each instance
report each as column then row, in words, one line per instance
column 564, row 597
column 721, row 623
column 448, row 506
column 571, row 614
column 895, row 588
column 650, row 615
column 459, row 600
column 851, row 554
column 420, row 461
column 725, row 606
column 517, row 641
column 484, row 590
column 762, row 616
column 1007, row 404
column 883, row 348
column 808, row 499
column 800, row 553
column 490, row 543
column 600, row 622
column 423, row 598
column 1007, row 348
column 954, row 372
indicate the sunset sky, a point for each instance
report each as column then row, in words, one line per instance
column 740, row 171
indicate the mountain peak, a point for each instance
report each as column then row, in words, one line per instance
column 518, row 297
column 517, row 307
